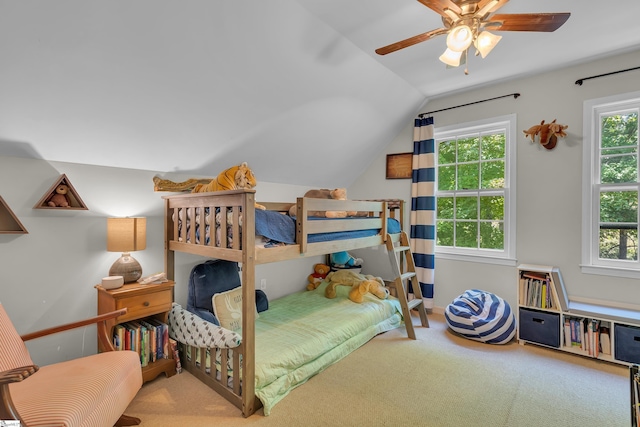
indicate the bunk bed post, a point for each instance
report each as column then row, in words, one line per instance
column 385, row 216
column 301, row 223
column 249, row 404
column 169, row 255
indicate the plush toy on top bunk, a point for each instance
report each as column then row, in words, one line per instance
column 360, row 285
column 325, row 193
column 238, row 177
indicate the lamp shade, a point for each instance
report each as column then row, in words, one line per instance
column 451, row 58
column 126, row 234
column 486, row 41
column 459, row 38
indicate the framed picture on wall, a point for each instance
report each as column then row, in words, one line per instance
column 399, row 165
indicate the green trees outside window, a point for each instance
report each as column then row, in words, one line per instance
column 471, row 198
column 618, row 223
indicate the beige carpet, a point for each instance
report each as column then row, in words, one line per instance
column 437, row 380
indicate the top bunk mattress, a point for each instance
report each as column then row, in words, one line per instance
column 281, row 228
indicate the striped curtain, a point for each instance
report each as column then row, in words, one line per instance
column 423, row 206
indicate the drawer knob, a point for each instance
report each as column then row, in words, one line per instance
column 146, row 304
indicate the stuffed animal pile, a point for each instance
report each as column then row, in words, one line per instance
column 360, row 285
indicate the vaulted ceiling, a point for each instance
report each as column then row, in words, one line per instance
column 293, row 87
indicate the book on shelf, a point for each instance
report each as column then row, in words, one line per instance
column 556, row 297
column 567, row 332
column 151, row 344
column 536, row 290
column 605, row 340
column 118, row 337
column 162, row 338
column 148, row 337
column 576, row 333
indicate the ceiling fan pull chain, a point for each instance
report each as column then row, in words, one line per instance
column 466, row 62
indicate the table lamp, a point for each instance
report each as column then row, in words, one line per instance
column 126, row 235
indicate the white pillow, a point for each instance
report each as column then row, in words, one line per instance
column 227, row 307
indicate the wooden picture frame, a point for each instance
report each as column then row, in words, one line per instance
column 399, row 166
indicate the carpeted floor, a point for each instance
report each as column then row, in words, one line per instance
column 437, row 380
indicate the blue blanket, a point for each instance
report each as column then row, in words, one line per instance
column 282, row 228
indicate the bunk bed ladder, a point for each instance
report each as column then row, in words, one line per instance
column 403, row 266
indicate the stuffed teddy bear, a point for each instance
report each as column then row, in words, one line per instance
column 59, row 198
column 325, row 193
column 358, row 286
column 345, row 260
column 320, row 271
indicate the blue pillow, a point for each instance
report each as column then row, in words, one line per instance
column 214, row 277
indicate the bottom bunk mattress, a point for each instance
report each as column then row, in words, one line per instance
column 303, row 333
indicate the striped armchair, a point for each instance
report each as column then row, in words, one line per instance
column 89, row 391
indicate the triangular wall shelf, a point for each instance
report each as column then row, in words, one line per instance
column 75, row 202
column 9, row 223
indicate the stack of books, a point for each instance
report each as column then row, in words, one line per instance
column 148, row 337
column 587, row 335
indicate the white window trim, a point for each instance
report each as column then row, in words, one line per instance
column 508, row 255
column 591, row 264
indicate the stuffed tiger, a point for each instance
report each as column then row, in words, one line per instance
column 235, row 178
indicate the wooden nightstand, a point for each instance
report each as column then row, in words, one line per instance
column 141, row 301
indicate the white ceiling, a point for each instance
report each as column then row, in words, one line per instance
column 293, row 87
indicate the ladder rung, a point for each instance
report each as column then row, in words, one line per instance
column 407, row 275
column 401, row 248
column 414, row 303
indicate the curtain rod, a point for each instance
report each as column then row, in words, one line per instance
column 579, row 81
column 515, row 95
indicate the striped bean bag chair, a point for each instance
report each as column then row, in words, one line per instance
column 481, row 316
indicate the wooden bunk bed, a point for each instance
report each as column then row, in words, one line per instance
column 235, row 379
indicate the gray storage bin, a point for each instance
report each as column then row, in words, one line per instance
column 627, row 343
column 540, row 327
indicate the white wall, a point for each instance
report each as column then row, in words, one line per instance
column 548, row 181
column 47, row 276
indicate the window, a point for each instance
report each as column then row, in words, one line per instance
column 611, row 186
column 475, row 217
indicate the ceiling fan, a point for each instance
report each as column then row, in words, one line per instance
column 468, row 21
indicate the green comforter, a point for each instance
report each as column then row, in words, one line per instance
column 304, row 333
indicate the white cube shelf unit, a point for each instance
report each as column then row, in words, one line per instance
column 547, row 317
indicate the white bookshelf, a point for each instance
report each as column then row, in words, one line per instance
column 548, row 317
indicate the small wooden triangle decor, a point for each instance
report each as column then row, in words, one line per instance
column 61, row 195
column 9, row 223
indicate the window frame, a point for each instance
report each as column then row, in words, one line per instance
column 507, row 256
column 593, row 109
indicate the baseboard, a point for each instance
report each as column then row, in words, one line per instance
column 438, row 310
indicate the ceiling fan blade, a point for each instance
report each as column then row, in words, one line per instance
column 410, row 41
column 440, row 5
column 493, row 8
column 545, row 22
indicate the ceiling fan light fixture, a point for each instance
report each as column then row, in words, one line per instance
column 485, row 42
column 459, row 38
column 451, row 57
